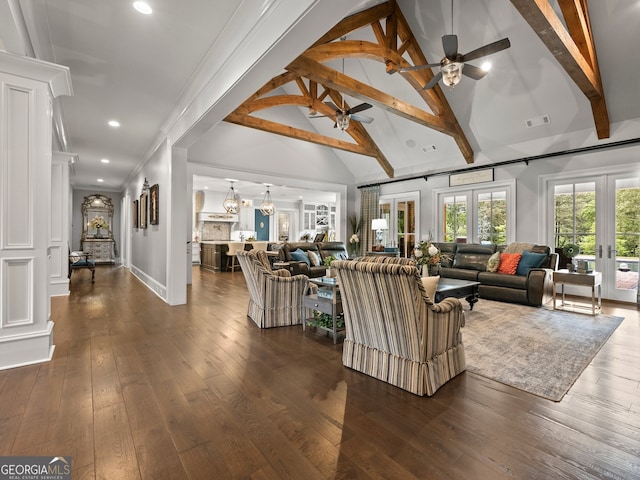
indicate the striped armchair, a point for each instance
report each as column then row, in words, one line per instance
column 275, row 297
column 394, row 331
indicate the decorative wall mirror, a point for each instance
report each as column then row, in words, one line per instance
column 97, row 217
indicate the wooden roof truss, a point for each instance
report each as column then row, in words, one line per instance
column 318, row 83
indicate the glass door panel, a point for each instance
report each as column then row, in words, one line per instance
column 401, row 216
column 575, row 219
column 621, row 251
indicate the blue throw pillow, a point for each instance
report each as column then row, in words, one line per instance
column 528, row 261
column 299, row 256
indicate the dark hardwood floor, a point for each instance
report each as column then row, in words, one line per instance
column 139, row 389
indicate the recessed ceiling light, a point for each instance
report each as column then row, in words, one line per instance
column 486, row 66
column 114, row 123
column 142, row 7
column 100, row 180
column 105, row 160
column 206, row 188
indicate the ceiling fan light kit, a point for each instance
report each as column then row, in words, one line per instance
column 453, row 66
column 451, row 73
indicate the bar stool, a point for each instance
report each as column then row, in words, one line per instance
column 234, row 248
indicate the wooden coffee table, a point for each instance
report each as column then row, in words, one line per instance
column 453, row 287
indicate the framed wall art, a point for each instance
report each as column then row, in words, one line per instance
column 143, row 209
column 154, row 205
column 135, row 214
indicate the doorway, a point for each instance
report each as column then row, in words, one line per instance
column 600, row 215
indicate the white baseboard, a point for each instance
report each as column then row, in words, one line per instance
column 153, row 285
column 27, row 349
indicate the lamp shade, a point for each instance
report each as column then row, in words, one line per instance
column 379, row 224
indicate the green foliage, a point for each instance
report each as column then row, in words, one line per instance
column 580, row 228
column 328, row 260
column 325, row 320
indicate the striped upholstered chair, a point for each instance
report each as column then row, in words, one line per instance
column 275, row 297
column 394, row 331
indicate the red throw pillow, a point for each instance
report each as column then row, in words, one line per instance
column 509, row 263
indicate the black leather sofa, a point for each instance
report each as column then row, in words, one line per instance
column 469, row 262
column 323, row 249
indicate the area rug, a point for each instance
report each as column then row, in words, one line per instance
column 538, row 350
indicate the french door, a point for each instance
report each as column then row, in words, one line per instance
column 601, row 215
column 401, row 214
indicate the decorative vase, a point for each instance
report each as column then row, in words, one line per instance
column 98, row 232
column 434, row 270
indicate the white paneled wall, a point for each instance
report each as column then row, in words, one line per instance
column 26, row 89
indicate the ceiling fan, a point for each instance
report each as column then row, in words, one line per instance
column 454, row 65
column 344, row 116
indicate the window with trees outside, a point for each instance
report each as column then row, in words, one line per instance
column 477, row 215
column 575, row 216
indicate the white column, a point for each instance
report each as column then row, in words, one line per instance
column 60, row 210
column 27, row 87
column 178, row 235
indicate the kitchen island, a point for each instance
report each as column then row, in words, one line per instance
column 213, row 255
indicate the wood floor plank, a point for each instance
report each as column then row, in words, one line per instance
column 140, row 389
column 115, row 452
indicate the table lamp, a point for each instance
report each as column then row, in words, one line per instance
column 379, row 224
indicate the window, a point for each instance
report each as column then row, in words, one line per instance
column 476, row 215
column 455, row 217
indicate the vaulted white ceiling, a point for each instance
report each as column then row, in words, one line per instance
column 141, row 70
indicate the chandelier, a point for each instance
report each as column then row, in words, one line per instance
column 230, row 203
column 267, row 207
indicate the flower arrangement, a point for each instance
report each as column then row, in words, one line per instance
column 426, row 253
column 98, row 222
column 328, row 260
column 354, row 241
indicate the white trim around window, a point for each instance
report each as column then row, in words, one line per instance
column 472, row 191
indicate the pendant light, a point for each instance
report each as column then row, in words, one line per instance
column 230, row 203
column 267, row 207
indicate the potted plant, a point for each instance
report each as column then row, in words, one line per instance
column 327, row 261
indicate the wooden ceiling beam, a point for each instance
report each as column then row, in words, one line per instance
column 574, row 49
column 292, row 132
column 309, row 68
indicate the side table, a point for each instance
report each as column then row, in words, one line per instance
column 593, row 280
column 327, row 300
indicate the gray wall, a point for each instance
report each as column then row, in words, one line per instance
column 527, row 177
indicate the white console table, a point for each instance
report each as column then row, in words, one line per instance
column 100, row 248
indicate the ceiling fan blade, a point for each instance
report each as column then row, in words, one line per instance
column 360, row 108
column 432, row 83
column 487, row 50
column 361, row 118
column 319, row 116
column 419, row 67
column 338, row 110
column 472, row 71
column 450, row 46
